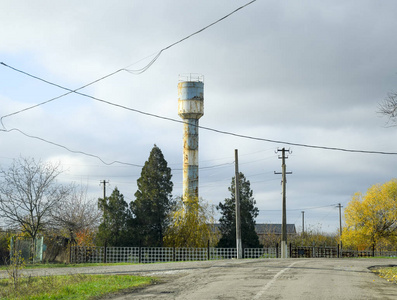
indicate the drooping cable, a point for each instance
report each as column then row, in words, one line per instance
column 208, row 128
column 135, row 72
column 70, row 91
column 185, row 38
column 70, row 150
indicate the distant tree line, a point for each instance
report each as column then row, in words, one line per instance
column 155, row 219
column 33, row 203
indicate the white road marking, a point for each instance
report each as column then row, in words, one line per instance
column 257, row 296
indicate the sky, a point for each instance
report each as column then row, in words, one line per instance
column 280, row 73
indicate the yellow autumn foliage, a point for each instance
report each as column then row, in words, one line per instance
column 371, row 219
column 191, row 225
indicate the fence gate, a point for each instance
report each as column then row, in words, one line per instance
column 30, row 250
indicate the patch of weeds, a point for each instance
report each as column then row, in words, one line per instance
column 14, row 269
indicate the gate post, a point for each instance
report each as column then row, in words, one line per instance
column 70, row 252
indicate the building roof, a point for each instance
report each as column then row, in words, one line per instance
column 274, row 229
column 267, row 228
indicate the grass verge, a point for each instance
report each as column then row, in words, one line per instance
column 390, row 274
column 75, row 286
column 56, row 265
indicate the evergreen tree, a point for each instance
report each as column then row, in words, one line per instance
column 115, row 217
column 248, row 213
column 153, row 200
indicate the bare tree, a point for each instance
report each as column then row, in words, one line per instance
column 28, row 193
column 75, row 212
column 389, row 108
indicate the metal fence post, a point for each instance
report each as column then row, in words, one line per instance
column 140, row 255
column 105, row 253
column 208, row 250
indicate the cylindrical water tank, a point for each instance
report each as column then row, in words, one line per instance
column 191, row 99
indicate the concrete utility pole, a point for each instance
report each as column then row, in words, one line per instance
column 303, row 222
column 104, row 182
column 237, row 199
column 340, row 224
column 284, row 252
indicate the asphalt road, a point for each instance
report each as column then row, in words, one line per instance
column 253, row 279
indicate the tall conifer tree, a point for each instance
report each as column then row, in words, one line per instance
column 153, row 200
column 248, row 212
column 115, row 216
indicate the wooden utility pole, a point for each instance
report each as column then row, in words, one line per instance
column 284, row 252
column 237, row 199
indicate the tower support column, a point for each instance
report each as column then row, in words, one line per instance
column 190, row 109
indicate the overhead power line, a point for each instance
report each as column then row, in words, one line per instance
column 200, row 126
column 135, row 72
column 96, row 156
column 139, row 71
column 78, row 93
column 185, row 38
column 70, row 150
column 210, row 167
column 70, row 91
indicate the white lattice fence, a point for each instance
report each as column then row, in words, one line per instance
column 87, row 254
column 156, row 254
column 122, row 254
column 223, row 253
column 191, row 254
column 260, row 252
column 162, row 254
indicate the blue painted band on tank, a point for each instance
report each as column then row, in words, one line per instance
column 191, row 90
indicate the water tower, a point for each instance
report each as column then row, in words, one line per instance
column 190, row 109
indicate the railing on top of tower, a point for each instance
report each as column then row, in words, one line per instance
column 195, row 77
